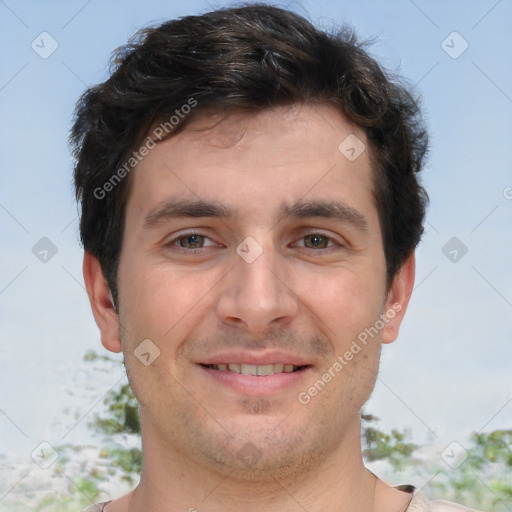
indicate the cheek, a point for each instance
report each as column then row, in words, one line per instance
column 346, row 302
column 162, row 304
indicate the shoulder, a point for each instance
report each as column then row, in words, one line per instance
column 98, row 507
column 420, row 503
column 446, row 506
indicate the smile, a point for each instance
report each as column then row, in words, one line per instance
column 260, row 370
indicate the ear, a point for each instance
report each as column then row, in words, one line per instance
column 102, row 304
column 398, row 299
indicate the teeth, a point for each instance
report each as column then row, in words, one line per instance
column 265, row 369
column 233, row 368
column 278, row 368
column 256, row 369
column 248, row 369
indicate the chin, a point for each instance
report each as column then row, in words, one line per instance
column 262, row 452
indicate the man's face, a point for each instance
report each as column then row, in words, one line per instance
column 276, row 285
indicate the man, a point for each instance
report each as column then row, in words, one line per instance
column 250, row 210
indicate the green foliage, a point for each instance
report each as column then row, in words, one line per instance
column 483, row 480
column 493, row 447
column 486, row 475
column 123, row 416
column 80, row 494
column 91, row 356
column 120, row 421
column 392, row 447
column 128, row 459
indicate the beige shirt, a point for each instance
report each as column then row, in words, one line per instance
column 419, row 503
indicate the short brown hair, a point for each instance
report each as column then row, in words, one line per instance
column 246, row 58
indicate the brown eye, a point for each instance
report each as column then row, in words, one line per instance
column 316, row 241
column 191, row 241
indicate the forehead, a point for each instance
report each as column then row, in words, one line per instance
column 257, row 162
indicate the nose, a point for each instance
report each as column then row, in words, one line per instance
column 257, row 295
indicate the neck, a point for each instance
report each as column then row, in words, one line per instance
column 172, row 481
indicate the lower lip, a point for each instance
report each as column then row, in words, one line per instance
column 256, row 384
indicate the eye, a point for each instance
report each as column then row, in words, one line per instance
column 317, row 241
column 190, row 241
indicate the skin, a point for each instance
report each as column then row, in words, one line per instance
column 305, row 296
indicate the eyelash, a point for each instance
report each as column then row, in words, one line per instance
column 173, row 243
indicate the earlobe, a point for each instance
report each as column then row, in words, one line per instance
column 398, row 299
column 102, row 304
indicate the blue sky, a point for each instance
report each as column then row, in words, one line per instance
column 450, row 372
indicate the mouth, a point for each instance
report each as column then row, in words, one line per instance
column 251, row 379
column 259, row 370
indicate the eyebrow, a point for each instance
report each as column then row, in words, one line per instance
column 336, row 210
column 179, row 208
column 301, row 209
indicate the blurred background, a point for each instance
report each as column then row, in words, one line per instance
column 441, row 414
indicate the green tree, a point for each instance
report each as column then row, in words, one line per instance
column 392, row 447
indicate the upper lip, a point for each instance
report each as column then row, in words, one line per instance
column 257, row 358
